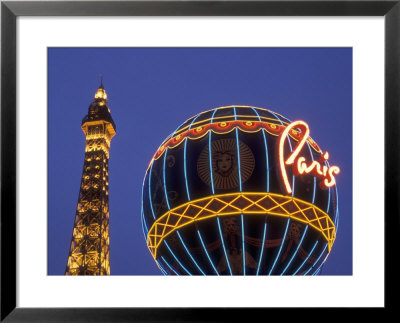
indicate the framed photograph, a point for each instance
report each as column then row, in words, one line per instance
column 253, row 161
column 220, row 75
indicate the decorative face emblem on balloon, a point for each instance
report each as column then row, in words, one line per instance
column 224, row 162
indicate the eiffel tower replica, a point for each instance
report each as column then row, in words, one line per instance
column 89, row 252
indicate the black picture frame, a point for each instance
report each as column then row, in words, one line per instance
column 10, row 10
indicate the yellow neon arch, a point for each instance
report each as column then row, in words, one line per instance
column 240, row 203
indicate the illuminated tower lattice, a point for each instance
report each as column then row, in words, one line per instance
column 89, row 251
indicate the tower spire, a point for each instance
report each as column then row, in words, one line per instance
column 101, row 94
column 89, row 250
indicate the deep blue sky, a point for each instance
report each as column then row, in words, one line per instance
column 153, row 90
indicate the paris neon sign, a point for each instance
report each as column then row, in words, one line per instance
column 299, row 164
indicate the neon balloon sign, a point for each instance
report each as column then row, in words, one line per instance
column 299, row 164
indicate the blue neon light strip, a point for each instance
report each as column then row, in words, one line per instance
column 290, row 145
column 316, row 273
column 280, row 248
column 169, row 266
column 152, row 209
column 166, row 198
column 165, row 184
column 238, row 152
column 144, row 226
column 184, row 168
column 329, row 200
column 213, row 191
column 205, row 250
column 165, row 158
column 173, row 134
column 262, row 248
column 315, row 180
column 244, row 250
column 240, row 188
column 321, row 264
column 150, row 199
column 305, row 260
column 315, row 262
column 190, row 255
column 223, row 246
column 337, row 210
column 297, row 249
column 266, row 149
column 187, row 271
column 279, row 119
column 159, row 263
column 184, row 160
column 337, row 223
column 210, row 155
column 329, row 190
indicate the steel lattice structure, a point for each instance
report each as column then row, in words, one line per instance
column 89, row 251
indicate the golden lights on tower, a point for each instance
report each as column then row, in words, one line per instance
column 101, row 94
column 89, row 250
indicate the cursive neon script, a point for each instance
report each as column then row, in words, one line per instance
column 299, row 165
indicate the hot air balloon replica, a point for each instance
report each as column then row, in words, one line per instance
column 240, row 190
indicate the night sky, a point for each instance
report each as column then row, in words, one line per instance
column 151, row 91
